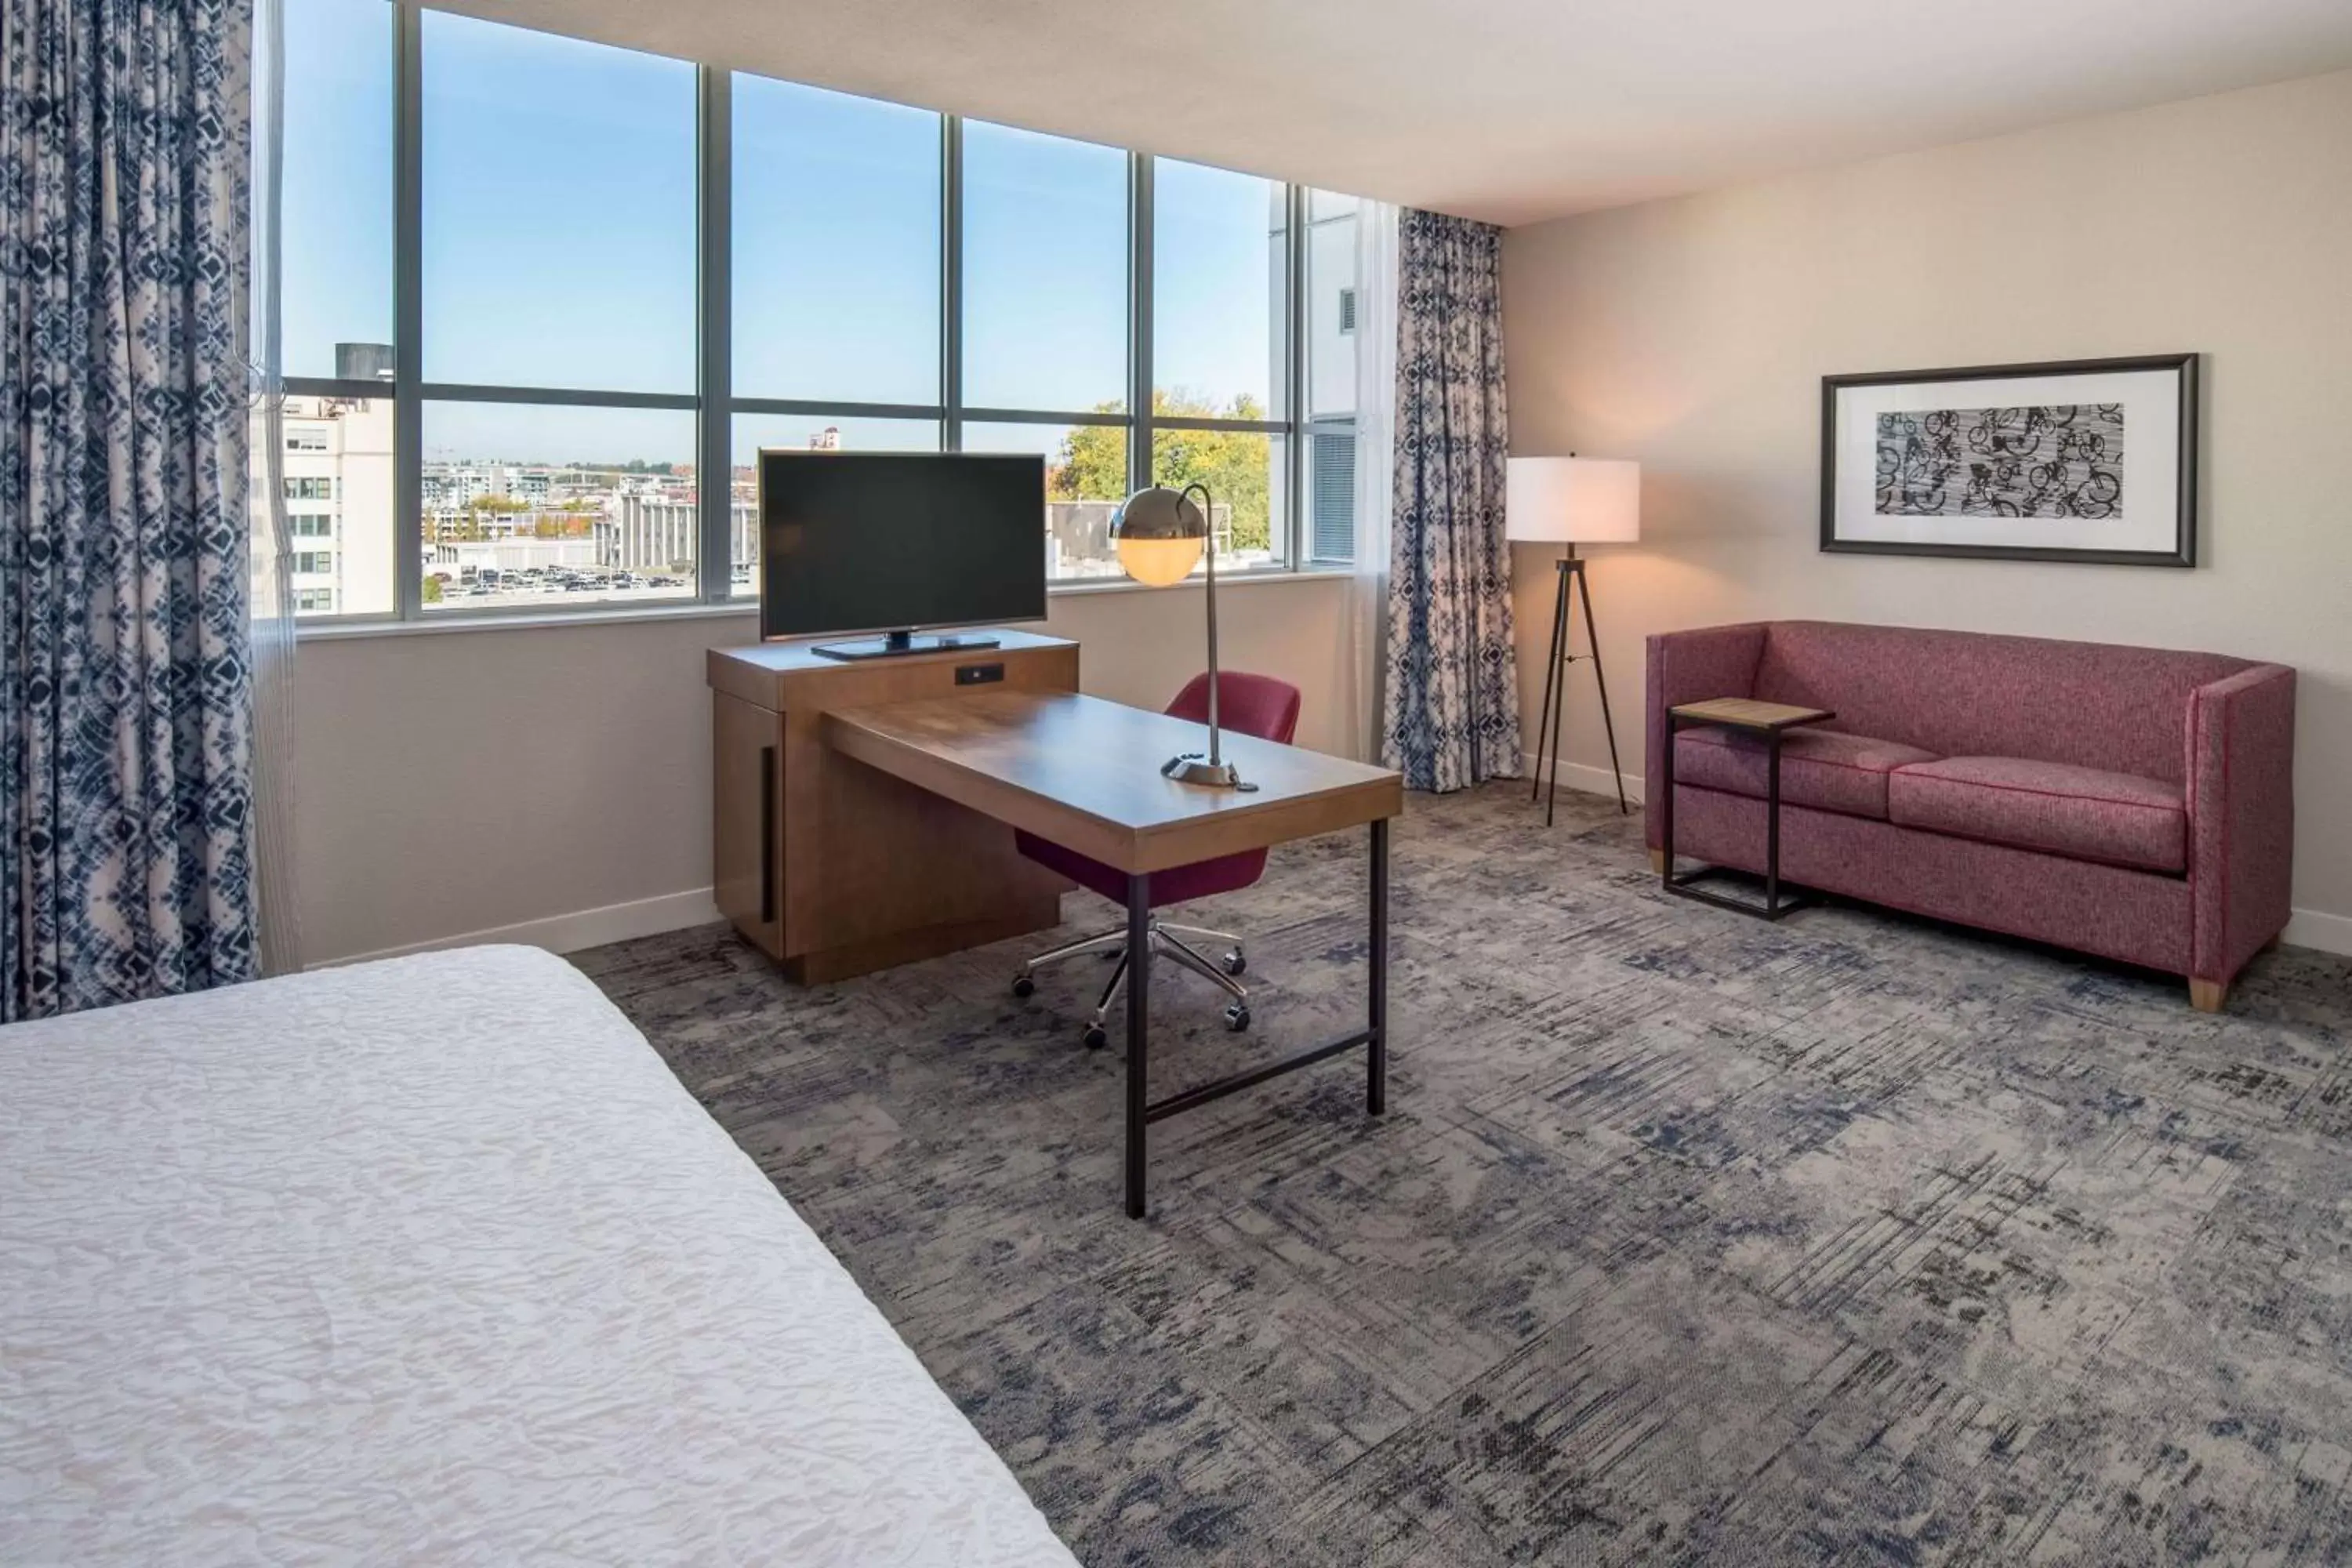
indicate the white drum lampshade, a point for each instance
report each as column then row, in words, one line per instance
column 1572, row 500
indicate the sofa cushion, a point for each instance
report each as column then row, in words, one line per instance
column 1821, row 768
column 2086, row 814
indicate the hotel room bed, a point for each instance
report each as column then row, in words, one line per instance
column 433, row 1260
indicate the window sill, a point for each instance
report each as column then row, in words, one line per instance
column 341, row 631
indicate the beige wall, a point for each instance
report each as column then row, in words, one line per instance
column 1691, row 334
column 557, row 780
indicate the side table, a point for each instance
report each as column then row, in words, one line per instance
column 1770, row 722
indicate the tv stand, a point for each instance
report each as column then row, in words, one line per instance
column 833, row 869
column 893, row 644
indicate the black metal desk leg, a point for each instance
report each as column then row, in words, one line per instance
column 1772, row 827
column 1376, row 1049
column 1139, row 1027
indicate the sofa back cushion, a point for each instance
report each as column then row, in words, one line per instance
column 2093, row 705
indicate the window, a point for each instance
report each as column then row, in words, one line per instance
column 559, row 219
column 558, row 255
column 336, row 206
column 631, row 273
column 836, row 246
column 540, row 506
column 1330, row 381
column 1220, row 307
column 1044, row 272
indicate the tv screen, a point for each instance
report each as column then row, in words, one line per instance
column 867, row 541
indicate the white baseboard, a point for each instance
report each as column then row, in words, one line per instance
column 571, row 932
column 2308, row 928
column 2318, row 929
column 1577, row 776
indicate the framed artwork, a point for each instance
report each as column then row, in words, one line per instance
column 2079, row 460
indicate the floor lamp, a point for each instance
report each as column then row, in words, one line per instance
column 1569, row 501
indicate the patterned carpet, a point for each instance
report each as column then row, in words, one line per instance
column 1687, row 1238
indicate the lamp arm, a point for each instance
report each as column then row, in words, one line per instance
column 1209, row 517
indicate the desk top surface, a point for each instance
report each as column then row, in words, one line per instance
column 1084, row 773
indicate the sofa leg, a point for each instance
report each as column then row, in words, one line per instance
column 2208, row 996
column 1657, row 860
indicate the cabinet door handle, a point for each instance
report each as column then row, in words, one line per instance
column 767, row 834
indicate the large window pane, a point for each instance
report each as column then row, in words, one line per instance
column 1246, row 473
column 836, row 249
column 559, row 224
column 1330, row 321
column 1220, row 308
column 336, row 211
column 817, row 432
column 338, row 486
column 1045, row 271
column 557, row 506
column 1085, row 479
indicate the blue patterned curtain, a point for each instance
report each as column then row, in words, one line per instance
column 1452, row 708
column 125, row 717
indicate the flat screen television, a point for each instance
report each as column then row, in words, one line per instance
column 896, row 542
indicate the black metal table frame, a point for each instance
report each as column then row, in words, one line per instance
column 1142, row 1110
column 1774, row 907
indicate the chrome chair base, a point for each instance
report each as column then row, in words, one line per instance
column 1169, row 940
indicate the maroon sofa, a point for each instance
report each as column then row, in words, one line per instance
column 2130, row 802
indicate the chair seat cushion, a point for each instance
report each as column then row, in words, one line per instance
column 2085, row 813
column 1825, row 769
column 1226, row 874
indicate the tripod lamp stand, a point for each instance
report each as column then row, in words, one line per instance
column 1569, row 501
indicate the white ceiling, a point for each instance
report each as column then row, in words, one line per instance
column 1510, row 110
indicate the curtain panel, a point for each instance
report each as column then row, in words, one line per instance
column 1451, row 712
column 125, row 697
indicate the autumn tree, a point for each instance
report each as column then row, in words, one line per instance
column 1235, row 465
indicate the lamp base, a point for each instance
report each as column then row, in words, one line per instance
column 1191, row 768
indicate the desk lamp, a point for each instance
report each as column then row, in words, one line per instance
column 1161, row 533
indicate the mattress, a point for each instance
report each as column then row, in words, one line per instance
column 433, row 1260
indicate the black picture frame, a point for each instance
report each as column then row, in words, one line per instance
column 2183, row 549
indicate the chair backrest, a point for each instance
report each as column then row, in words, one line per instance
column 1255, row 705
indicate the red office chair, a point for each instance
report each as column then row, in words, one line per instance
column 1253, row 705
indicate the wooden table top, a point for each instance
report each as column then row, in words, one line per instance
column 1084, row 773
column 1747, row 713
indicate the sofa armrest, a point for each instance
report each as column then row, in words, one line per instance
column 1691, row 667
column 2240, row 790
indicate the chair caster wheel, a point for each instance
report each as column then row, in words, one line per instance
column 1237, row 961
column 1022, row 985
column 1096, row 1039
column 1237, row 1017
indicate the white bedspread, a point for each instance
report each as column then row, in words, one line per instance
column 433, row 1261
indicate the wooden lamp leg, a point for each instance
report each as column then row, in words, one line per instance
column 2208, row 996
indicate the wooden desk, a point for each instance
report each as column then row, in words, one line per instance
column 1085, row 773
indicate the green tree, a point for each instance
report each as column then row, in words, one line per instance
column 1235, row 465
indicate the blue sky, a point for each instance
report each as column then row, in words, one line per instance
column 559, row 246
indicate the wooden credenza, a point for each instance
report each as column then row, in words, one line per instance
column 835, row 868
